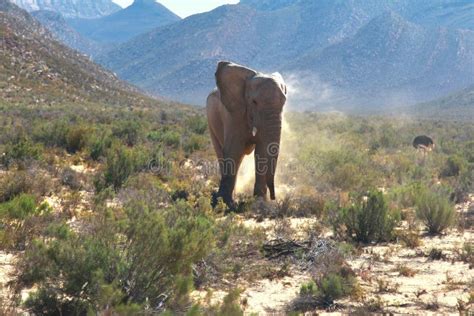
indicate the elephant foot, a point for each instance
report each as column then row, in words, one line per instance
column 214, row 199
column 231, row 205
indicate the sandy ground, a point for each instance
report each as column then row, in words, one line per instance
column 437, row 286
column 7, row 267
column 443, row 283
column 271, row 297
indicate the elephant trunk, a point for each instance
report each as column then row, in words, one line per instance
column 272, row 138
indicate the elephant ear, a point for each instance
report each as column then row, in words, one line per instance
column 231, row 80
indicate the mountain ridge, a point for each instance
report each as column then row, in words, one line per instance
column 178, row 60
column 122, row 25
column 62, row 32
column 71, row 8
column 391, row 58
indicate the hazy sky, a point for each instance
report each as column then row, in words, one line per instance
column 184, row 8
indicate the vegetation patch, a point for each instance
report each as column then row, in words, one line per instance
column 367, row 220
column 436, row 211
column 140, row 259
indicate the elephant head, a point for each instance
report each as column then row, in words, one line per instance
column 256, row 100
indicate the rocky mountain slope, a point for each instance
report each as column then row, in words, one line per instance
column 393, row 62
column 87, row 9
column 62, row 32
column 35, row 68
column 142, row 16
column 178, row 60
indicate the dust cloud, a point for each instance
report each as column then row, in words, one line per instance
column 305, row 90
column 246, row 175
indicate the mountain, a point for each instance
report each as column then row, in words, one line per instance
column 324, row 46
column 35, row 68
column 86, row 9
column 142, row 16
column 391, row 62
column 62, row 32
column 178, row 60
column 453, row 14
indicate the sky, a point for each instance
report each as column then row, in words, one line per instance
column 185, row 8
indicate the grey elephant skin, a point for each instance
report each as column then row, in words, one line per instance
column 245, row 115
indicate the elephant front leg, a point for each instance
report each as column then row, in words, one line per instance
column 226, row 189
column 261, row 169
column 229, row 168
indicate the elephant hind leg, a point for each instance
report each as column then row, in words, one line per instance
column 217, row 145
column 216, row 125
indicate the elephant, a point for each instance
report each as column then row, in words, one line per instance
column 245, row 115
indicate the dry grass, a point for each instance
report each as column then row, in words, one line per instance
column 406, row 271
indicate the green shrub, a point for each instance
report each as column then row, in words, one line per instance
column 129, row 131
column 230, row 306
column 454, row 166
column 195, row 143
column 13, row 184
column 70, row 178
column 367, row 220
column 310, row 205
column 334, row 286
column 52, row 134
column 386, row 138
column 18, row 220
column 347, row 169
column 435, row 210
column 143, row 257
column 171, row 138
column 121, row 163
column 466, row 254
column 469, row 152
column 99, row 145
column 405, row 196
column 166, row 136
column 21, row 151
column 19, row 208
column 72, row 266
column 462, row 186
column 309, row 288
column 76, row 139
column 197, row 124
column 327, row 288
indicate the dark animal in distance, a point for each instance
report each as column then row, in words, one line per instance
column 423, row 142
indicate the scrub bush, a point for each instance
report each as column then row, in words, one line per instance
column 137, row 260
column 367, row 220
column 436, row 211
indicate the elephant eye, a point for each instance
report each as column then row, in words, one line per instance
column 254, row 102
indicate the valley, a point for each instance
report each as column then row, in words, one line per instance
column 106, row 190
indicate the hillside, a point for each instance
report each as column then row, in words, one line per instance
column 65, row 34
column 142, row 16
column 456, row 106
column 106, row 194
column 392, row 62
column 35, row 68
column 177, row 61
column 186, row 52
column 87, row 9
column 453, row 14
